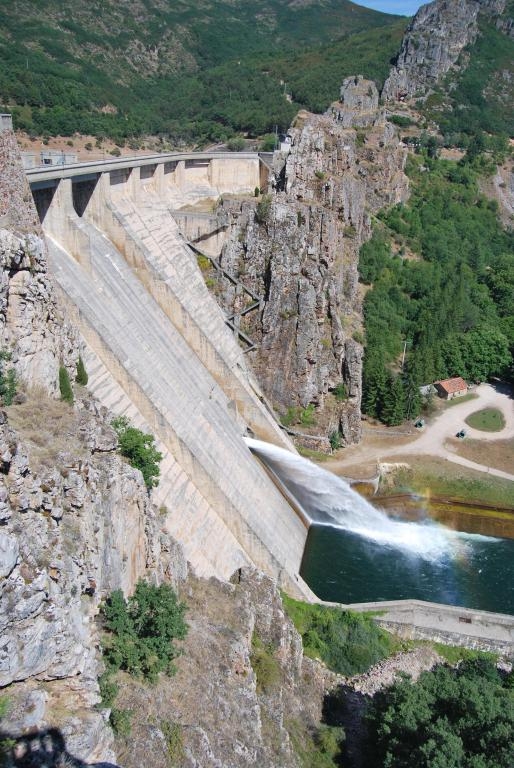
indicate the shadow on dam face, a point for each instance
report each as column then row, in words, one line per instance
column 82, row 189
column 43, row 193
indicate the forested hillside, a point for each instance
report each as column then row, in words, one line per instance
column 479, row 95
column 193, row 70
column 441, row 271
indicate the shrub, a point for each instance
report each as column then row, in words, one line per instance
column 139, row 448
column 268, row 143
column 140, row 631
column 307, row 416
column 340, row 392
column 65, row 385
column 290, row 417
column 402, row 120
column 237, row 144
column 120, row 721
column 81, row 377
column 264, row 664
column 335, row 440
column 256, row 192
column 263, row 209
column 174, row 739
column 7, row 379
column 319, row 175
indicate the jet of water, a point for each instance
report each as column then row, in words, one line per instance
column 328, row 500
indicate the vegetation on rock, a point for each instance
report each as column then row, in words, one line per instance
column 347, row 642
column 479, row 96
column 8, row 382
column 81, row 377
column 141, row 631
column 65, row 385
column 139, row 448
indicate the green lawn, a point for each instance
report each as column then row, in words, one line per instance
column 487, row 420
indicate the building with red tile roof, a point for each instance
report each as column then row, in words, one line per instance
column 450, row 388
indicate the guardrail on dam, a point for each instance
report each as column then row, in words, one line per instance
column 158, row 349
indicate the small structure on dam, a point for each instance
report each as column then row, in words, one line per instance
column 159, row 350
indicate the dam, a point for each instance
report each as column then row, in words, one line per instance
column 160, row 351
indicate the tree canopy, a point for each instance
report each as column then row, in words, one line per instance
column 450, row 718
column 442, row 272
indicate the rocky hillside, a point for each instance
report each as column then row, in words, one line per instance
column 458, row 58
column 76, row 521
column 298, row 249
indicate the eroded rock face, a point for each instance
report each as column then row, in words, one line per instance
column 227, row 714
column 299, row 252
column 433, row 43
column 32, row 327
column 75, row 526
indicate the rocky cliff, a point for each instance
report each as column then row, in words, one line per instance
column 298, row 247
column 433, row 43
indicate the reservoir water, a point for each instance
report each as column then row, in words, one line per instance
column 357, row 553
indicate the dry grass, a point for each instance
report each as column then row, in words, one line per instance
column 498, row 453
column 47, row 427
column 354, row 461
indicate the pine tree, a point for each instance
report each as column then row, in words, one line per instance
column 65, row 386
column 81, row 377
column 393, row 411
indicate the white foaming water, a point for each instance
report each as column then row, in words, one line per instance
column 328, row 500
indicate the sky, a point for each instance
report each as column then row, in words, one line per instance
column 402, row 7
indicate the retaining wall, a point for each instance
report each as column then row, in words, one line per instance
column 448, row 624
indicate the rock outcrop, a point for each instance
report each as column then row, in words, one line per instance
column 76, row 524
column 433, row 43
column 225, row 707
column 298, row 250
column 32, row 327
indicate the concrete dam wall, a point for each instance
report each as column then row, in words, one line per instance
column 159, row 351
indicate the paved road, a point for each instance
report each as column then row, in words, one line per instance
column 432, row 439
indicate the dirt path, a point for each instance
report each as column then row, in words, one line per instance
column 432, row 439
